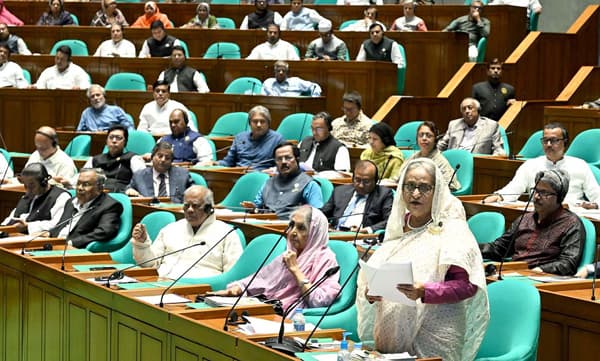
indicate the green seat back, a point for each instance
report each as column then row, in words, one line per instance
column 126, row 81
column 27, row 75
column 124, row 234
column 533, row 21
column 481, row 49
column 589, row 248
column 6, row 155
column 75, row 19
column 295, row 126
column 326, row 188
column 504, row 139
column 225, row 23
column 244, row 85
column 487, row 226
column 224, row 50
column 140, row 142
column 401, row 77
column 198, row 179
column 230, row 124
column 533, row 146
column 586, row 146
column 78, row 47
column 347, row 23
column 79, row 146
column 184, row 45
column 406, row 135
column 465, row 172
column 245, row 189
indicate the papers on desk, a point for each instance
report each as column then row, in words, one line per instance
column 553, row 278
column 261, row 326
column 102, row 280
column 382, row 280
column 169, row 298
column 262, row 221
column 580, row 211
column 220, row 301
column 334, row 174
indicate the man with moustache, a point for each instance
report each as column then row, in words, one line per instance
column 493, row 95
column 188, row 145
column 289, row 188
column 380, row 47
column 182, row 77
column 100, row 116
column 551, row 239
column 154, row 117
column 11, row 74
column 321, row 151
column 274, row 48
column 261, row 17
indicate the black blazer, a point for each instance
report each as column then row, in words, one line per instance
column 377, row 209
column 99, row 224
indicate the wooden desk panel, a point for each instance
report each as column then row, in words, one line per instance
column 492, row 173
column 574, row 119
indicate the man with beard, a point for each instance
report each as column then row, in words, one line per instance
column 274, row 48
column 160, row 44
column 327, row 46
column 550, row 239
column 15, row 43
column 493, row 95
column 182, row 77
column 380, row 47
column 99, row 116
column 261, row 17
column 289, row 188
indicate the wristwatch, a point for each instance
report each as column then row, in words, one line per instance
column 305, row 281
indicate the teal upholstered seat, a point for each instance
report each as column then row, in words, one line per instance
column 586, row 146
column 465, row 172
column 225, row 23
column 487, row 226
column 326, row 188
column 78, row 47
column 533, row 146
column 224, row 50
column 79, row 146
column 295, row 126
column 126, row 81
column 124, row 229
column 244, row 85
column 406, row 135
column 245, row 189
column 230, row 124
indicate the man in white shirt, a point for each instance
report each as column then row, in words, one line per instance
column 117, row 46
column 200, row 226
column 47, row 151
column 582, row 184
column 282, row 85
column 274, row 48
column 183, row 77
column 380, row 47
column 64, row 74
column 11, row 74
column 300, row 17
column 154, row 117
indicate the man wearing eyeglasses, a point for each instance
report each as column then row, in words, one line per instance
column 473, row 24
column 551, row 239
column 583, row 189
column 289, row 188
column 363, row 203
column 201, row 227
column 118, row 165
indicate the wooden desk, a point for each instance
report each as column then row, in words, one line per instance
column 574, row 119
column 492, row 173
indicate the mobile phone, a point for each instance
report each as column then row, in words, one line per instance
column 101, row 278
column 103, row 268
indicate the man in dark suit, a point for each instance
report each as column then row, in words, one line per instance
column 162, row 180
column 494, row 95
column 363, row 203
column 96, row 215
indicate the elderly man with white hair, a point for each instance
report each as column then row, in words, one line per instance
column 99, row 116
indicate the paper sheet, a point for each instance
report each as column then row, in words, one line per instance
column 167, row 299
column 261, row 326
column 382, row 281
column 102, row 280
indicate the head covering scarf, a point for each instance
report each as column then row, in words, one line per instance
column 145, row 21
column 276, row 281
column 558, row 179
column 209, row 23
column 7, row 17
column 452, row 331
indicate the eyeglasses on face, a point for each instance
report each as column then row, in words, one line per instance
column 543, row 194
column 364, row 181
column 552, row 141
column 423, row 188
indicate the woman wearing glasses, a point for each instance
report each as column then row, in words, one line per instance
column 383, row 152
column 428, row 228
column 427, row 137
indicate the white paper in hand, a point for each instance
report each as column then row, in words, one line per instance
column 382, row 280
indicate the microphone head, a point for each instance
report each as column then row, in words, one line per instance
column 291, row 225
column 457, row 166
column 333, row 270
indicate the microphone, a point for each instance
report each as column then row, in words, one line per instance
column 290, row 226
column 539, row 175
column 138, row 81
column 288, row 345
column 62, row 260
column 595, row 273
column 253, row 86
column 331, row 219
column 336, row 296
column 58, row 226
column 454, row 174
column 194, row 264
column 384, row 169
column 219, row 55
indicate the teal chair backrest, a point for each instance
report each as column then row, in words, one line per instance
column 213, row 148
column 184, row 45
column 140, row 142
column 468, row 2
column 79, row 146
column 533, row 146
column 325, row 2
column 193, row 118
column 244, row 85
column 75, row 19
column 230, row 124
column 481, row 49
column 225, row 1
column 225, row 50
column 401, row 77
column 6, row 155
column 242, row 238
column 504, row 139
column 124, row 229
column 295, row 126
column 465, row 172
column 154, row 222
column 487, row 226
column 514, row 326
column 589, row 248
column 347, row 23
column 27, row 75
column 78, row 47
column 256, row 251
column 126, row 81
column 586, row 146
column 225, row 23
column 347, row 258
column 533, row 21
column 346, row 320
column 406, row 135
column 326, row 188
column 198, row 179
column 596, row 173
column 245, row 189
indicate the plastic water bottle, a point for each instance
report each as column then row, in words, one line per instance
column 298, row 320
column 343, row 353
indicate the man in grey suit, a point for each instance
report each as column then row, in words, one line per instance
column 162, row 179
column 472, row 132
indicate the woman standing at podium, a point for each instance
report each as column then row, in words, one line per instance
column 450, row 313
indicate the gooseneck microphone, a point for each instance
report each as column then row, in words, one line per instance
column 595, row 273
column 336, row 296
column 194, row 264
column 513, row 239
column 62, row 260
column 290, row 226
column 288, row 345
column 384, row 169
column 454, row 174
column 5, row 171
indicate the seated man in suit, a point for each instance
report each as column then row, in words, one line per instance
column 254, row 148
column 200, row 226
column 188, row 145
column 322, row 151
column 364, row 203
column 583, row 189
column 551, row 239
column 472, row 132
column 289, row 188
column 162, row 179
column 118, row 165
column 96, row 215
column 42, row 205
column 99, row 116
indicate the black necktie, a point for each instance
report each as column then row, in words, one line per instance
column 162, row 187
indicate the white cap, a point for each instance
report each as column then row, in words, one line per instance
column 324, row 26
